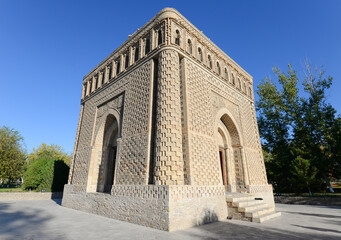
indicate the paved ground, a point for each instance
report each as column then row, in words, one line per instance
column 46, row 219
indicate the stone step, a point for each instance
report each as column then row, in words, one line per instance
column 259, row 212
column 246, row 203
column 266, row 216
column 252, row 207
column 239, row 198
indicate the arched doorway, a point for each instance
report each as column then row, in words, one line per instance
column 230, row 155
column 109, row 151
column 105, row 148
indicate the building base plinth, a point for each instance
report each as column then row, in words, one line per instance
column 165, row 207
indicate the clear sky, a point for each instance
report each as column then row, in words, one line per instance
column 46, row 47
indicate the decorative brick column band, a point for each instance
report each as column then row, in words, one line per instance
column 168, row 151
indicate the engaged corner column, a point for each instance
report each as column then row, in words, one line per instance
column 245, row 172
column 168, row 151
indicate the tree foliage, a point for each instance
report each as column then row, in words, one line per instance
column 301, row 134
column 12, row 154
column 46, row 174
column 48, row 168
column 52, row 151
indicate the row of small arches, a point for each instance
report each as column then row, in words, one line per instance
column 189, row 49
column 118, row 66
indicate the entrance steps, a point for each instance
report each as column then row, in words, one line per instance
column 243, row 206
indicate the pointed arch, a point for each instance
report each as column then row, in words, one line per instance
column 230, row 152
column 103, row 160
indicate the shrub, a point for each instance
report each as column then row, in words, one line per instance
column 46, row 174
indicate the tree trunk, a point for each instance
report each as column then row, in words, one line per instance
column 328, row 183
column 310, row 194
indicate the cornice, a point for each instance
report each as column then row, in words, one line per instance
column 134, row 38
column 204, row 40
column 164, row 14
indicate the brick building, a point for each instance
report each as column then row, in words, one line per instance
column 167, row 133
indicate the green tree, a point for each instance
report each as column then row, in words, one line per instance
column 12, row 155
column 303, row 175
column 335, row 145
column 52, row 151
column 46, row 174
column 277, row 107
column 314, row 130
column 300, row 134
column 48, row 168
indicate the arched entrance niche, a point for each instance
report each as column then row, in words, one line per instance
column 230, row 153
column 103, row 163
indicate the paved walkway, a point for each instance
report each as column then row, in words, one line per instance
column 46, row 219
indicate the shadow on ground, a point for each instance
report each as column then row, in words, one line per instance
column 15, row 224
column 229, row 230
column 315, row 215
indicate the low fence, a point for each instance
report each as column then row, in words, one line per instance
column 323, row 201
column 30, row 195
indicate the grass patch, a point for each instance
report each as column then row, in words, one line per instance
column 331, row 195
column 18, row 189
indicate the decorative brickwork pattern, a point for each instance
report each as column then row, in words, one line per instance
column 238, row 168
column 260, row 188
column 204, row 162
column 134, row 143
column 136, row 101
column 83, row 152
column 199, row 100
column 254, row 156
column 168, row 155
column 136, row 112
column 188, row 192
column 76, row 143
column 133, row 160
column 202, row 157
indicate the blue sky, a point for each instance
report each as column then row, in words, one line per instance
column 46, row 47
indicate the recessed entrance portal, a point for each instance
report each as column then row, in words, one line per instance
column 230, row 155
column 107, row 166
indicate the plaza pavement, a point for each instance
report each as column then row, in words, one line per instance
column 46, row 219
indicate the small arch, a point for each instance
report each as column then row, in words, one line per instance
column 126, row 61
column 233, row 80
column 189, row 46
column 85, row 87
column 200, row 54
column 96, row 84
column 103, row 76
column 147, row 47
column 218, row 68
column 110, row 71
column 209, row 61
column 177, row 37
column 159, row 37
column 245, row 88
column 136, row 53
column 239, row 84
column 226, row 75
column 118, row 66
column 90, row 87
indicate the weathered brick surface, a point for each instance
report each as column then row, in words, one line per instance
column 176, row 106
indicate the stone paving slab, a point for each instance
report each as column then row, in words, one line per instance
column 46, row 219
